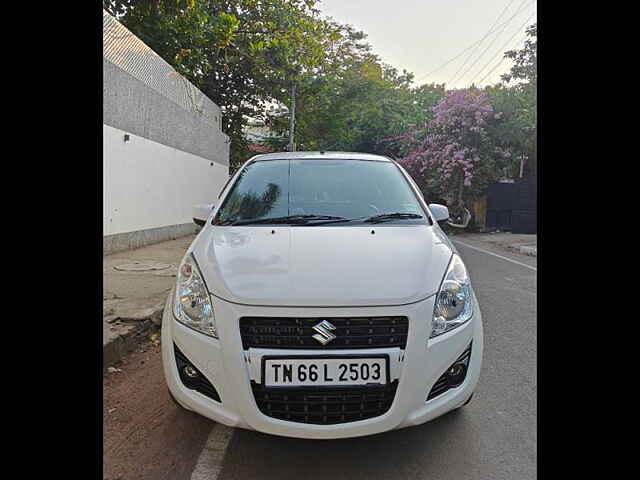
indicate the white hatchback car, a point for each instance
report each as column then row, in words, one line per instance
column 322, row 300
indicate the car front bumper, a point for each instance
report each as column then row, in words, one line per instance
column 230, row 369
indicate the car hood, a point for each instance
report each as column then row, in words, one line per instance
column 323, row 265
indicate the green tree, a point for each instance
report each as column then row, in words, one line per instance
column 520, row 98
column 357, row 103
column 525, row 65
column 510, row 131
column 242, row 54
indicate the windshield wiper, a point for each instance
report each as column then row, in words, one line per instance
column 390, row 216
column 295, row 219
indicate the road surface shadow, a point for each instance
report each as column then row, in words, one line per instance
column 424, row 451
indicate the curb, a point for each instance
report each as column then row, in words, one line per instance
column 531, row 251
column 135, row 330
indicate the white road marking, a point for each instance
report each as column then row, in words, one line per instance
column 210, row 460
column 496, row 255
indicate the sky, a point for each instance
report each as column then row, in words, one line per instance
column 422, row 35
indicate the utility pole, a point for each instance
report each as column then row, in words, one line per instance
column 292, row 119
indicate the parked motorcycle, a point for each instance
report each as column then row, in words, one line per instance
column 460, row 219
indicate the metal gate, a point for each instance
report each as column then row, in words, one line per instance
column 513, row 206
column 500, row 198
column 525, row 208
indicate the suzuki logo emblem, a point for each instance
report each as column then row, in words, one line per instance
column 324, row 335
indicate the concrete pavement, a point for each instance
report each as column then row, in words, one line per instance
column 136, row 285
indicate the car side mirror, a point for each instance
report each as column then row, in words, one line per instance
column 440, row 212
column 201, row 213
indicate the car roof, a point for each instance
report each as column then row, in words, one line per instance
column 319, row 155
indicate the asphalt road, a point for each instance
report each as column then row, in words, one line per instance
column 494, row 437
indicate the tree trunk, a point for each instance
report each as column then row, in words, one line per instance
column 460, row 190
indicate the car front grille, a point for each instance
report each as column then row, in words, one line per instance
column 324, row 405
column 350, row 332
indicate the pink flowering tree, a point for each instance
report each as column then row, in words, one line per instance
column 453, row 155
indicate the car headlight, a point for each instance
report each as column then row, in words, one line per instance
column 192, row 305
column 454, row 301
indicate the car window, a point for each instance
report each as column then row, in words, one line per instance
column 344, row 188
column 261, row 191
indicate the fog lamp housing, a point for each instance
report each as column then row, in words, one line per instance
column 454, row 376
column 192, row 378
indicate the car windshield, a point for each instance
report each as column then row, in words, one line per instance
column 276, row 191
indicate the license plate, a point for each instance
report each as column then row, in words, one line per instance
column 334, row 371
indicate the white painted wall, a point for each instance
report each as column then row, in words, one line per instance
column 149, row 185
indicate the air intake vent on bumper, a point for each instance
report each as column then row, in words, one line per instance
column 324, row 405
column 454, row 376
column 199, row 382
